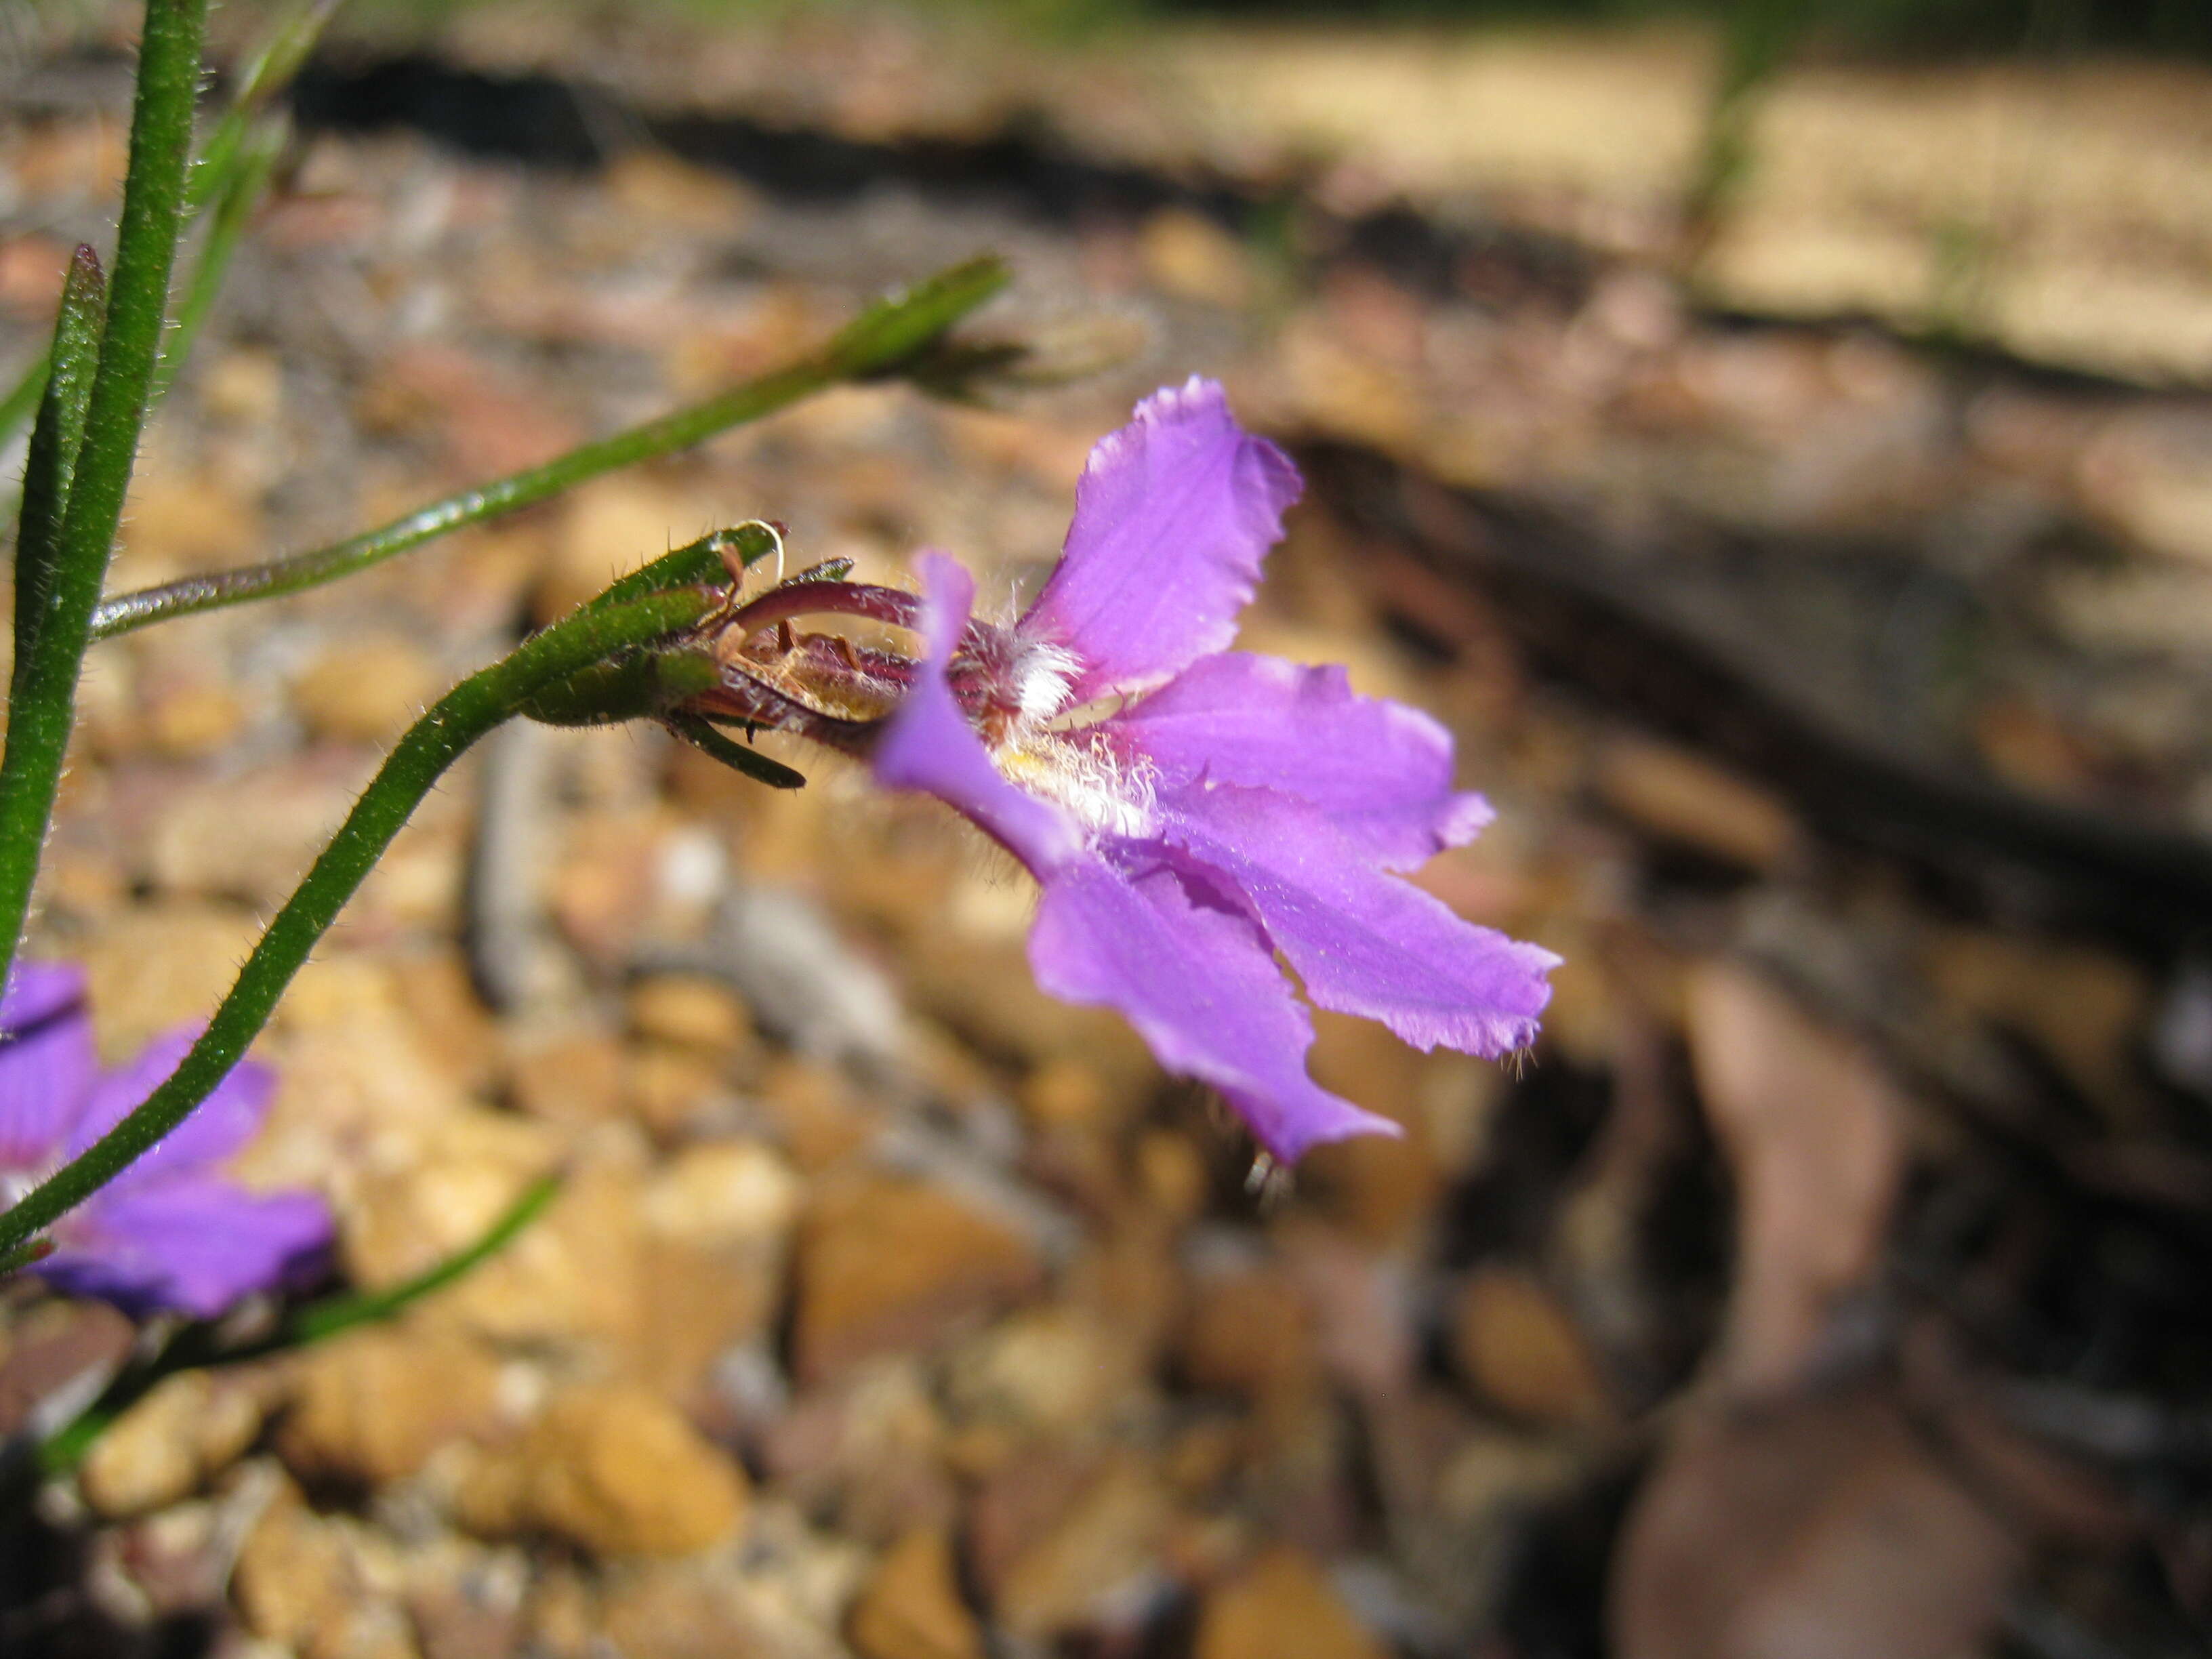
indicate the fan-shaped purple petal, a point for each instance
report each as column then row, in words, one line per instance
column 1197, row 981
column 37, row 991
column 930, row 746
column 47, row 1063
column 1363, row 942
column 196, row 1244
column 1174, row 513
column 1380, row 770
column 218, row 1126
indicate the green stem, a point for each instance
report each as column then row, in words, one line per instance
column 879, row 341
column 320, row 1321
column 195, row 1347
column 433, row 743
column 43, row 700
column 51, row 466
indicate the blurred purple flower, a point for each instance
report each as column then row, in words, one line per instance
column 170, row 1232
column 1191, row 811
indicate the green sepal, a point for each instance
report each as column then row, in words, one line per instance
column 643, row 686
column 646, row 684
column 735, row 756
column 693, row 564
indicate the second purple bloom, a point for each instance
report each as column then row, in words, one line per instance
column 172, row 1232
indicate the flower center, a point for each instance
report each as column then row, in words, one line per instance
column 1043, row 678
column 1041, row 742
column 1082, row 776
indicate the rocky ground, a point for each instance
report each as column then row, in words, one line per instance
column 1830, row 1278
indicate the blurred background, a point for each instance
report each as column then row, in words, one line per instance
column 1773, row 436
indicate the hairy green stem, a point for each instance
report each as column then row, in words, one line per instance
column 880, row 341
column 43, row 699
column 433, row 743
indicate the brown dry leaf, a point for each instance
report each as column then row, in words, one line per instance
column 1680, row 795
column 1513, row 1340
column 1812, row 1130
column 1820, row 1530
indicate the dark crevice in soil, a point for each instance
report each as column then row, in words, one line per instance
column 1026, row 168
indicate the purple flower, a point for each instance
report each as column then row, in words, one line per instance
column 170, row 1232
column 1190, row 812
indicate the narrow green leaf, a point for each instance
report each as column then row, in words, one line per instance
column 888, row 332
column 51, row 464
column 282, row 52
column 320, row 1321
column 735, row 756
